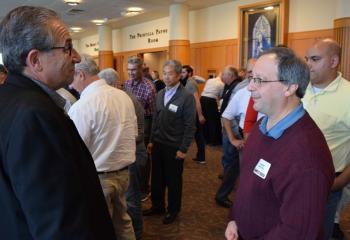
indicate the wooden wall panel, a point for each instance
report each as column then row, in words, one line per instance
column 214, row 55
column 301, row 41
column 105, row 59
column 342, row 36
column 180, row 50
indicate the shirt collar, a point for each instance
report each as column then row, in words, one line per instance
column 278, row 129
column 135, row 83
column 332, row 87
column 92, row 86
column 59, row 101
column 173, row 88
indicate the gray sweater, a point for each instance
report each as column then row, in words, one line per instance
column 172, row 127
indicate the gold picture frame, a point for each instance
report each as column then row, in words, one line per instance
column 261, row 26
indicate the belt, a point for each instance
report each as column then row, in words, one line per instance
column 115, row 171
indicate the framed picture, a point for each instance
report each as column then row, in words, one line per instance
column 262, row 25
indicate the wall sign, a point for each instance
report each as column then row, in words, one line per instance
column 150, row 37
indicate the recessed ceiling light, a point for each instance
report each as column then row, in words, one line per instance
column 268, row 8
column 76, row 29
column 72, row 2
column 99, row 22
column 132, row 11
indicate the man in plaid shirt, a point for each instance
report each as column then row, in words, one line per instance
column 145, row 92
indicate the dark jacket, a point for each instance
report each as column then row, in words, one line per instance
column 49, row 188
column 174, row 127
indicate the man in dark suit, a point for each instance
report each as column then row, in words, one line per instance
column 49, row 187
column 173, row 129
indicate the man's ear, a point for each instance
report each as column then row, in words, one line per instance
column 335, row 61
column 291, row 89
column 33, row 61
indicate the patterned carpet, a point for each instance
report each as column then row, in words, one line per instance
column 200, row 217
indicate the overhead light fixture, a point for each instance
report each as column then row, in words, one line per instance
column 132, row 11
column 76, row 29
column 251, row 10
column 72, row 2
column 99, row 22
column 268, row 8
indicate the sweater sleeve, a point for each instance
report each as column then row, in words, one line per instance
column 189, row 118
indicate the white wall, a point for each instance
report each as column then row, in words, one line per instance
column 311, row 15
column 89, row 45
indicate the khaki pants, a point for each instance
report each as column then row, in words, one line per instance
column 114, row 186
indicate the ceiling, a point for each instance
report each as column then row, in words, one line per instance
column 106, row 9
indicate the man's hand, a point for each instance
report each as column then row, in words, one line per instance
column 180, row 155
column 149, row 148
column 239, row 144
column 231, row 232
column 201, row 119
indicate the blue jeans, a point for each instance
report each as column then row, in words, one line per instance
column 331, row 208
column 230, row 162
column 229, row 152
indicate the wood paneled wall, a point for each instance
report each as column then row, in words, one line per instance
column 213, row 55
column 342, row 36
column 301, row 41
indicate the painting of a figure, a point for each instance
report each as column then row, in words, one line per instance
column 262, row 25
column 261, row 32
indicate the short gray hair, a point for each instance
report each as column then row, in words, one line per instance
column 87, row 65
column 291, row 69
column 23, row 29
column 110, row 75
column 177, row 65
column 136, row 60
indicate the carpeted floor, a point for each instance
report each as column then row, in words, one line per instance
column 200, row 217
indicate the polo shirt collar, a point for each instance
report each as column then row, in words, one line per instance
column 278, row 129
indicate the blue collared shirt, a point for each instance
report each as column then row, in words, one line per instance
column 279, row 128
column 170, row 92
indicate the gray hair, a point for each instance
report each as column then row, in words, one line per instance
column 110, row 75
column 136, row 60
column 23, row 29
column 291, row 69
column 177, row 65
column 233, row 71
column 87, row 65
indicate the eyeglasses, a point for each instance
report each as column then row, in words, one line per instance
column 258, row 81
column 67, row 48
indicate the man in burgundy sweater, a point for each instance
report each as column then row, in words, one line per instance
column 286, row 170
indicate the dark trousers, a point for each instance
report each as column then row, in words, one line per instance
column 200, row 141
column 166, row 173
column 212, row 126
column 146, row 171
column 230, row 161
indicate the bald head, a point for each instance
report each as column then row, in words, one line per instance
column 323, row 59
column 330, row 45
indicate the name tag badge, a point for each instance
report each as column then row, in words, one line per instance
column 262, row 168
column 173, row 108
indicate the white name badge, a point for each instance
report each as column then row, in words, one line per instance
column 262, row 168
column 173, row 108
